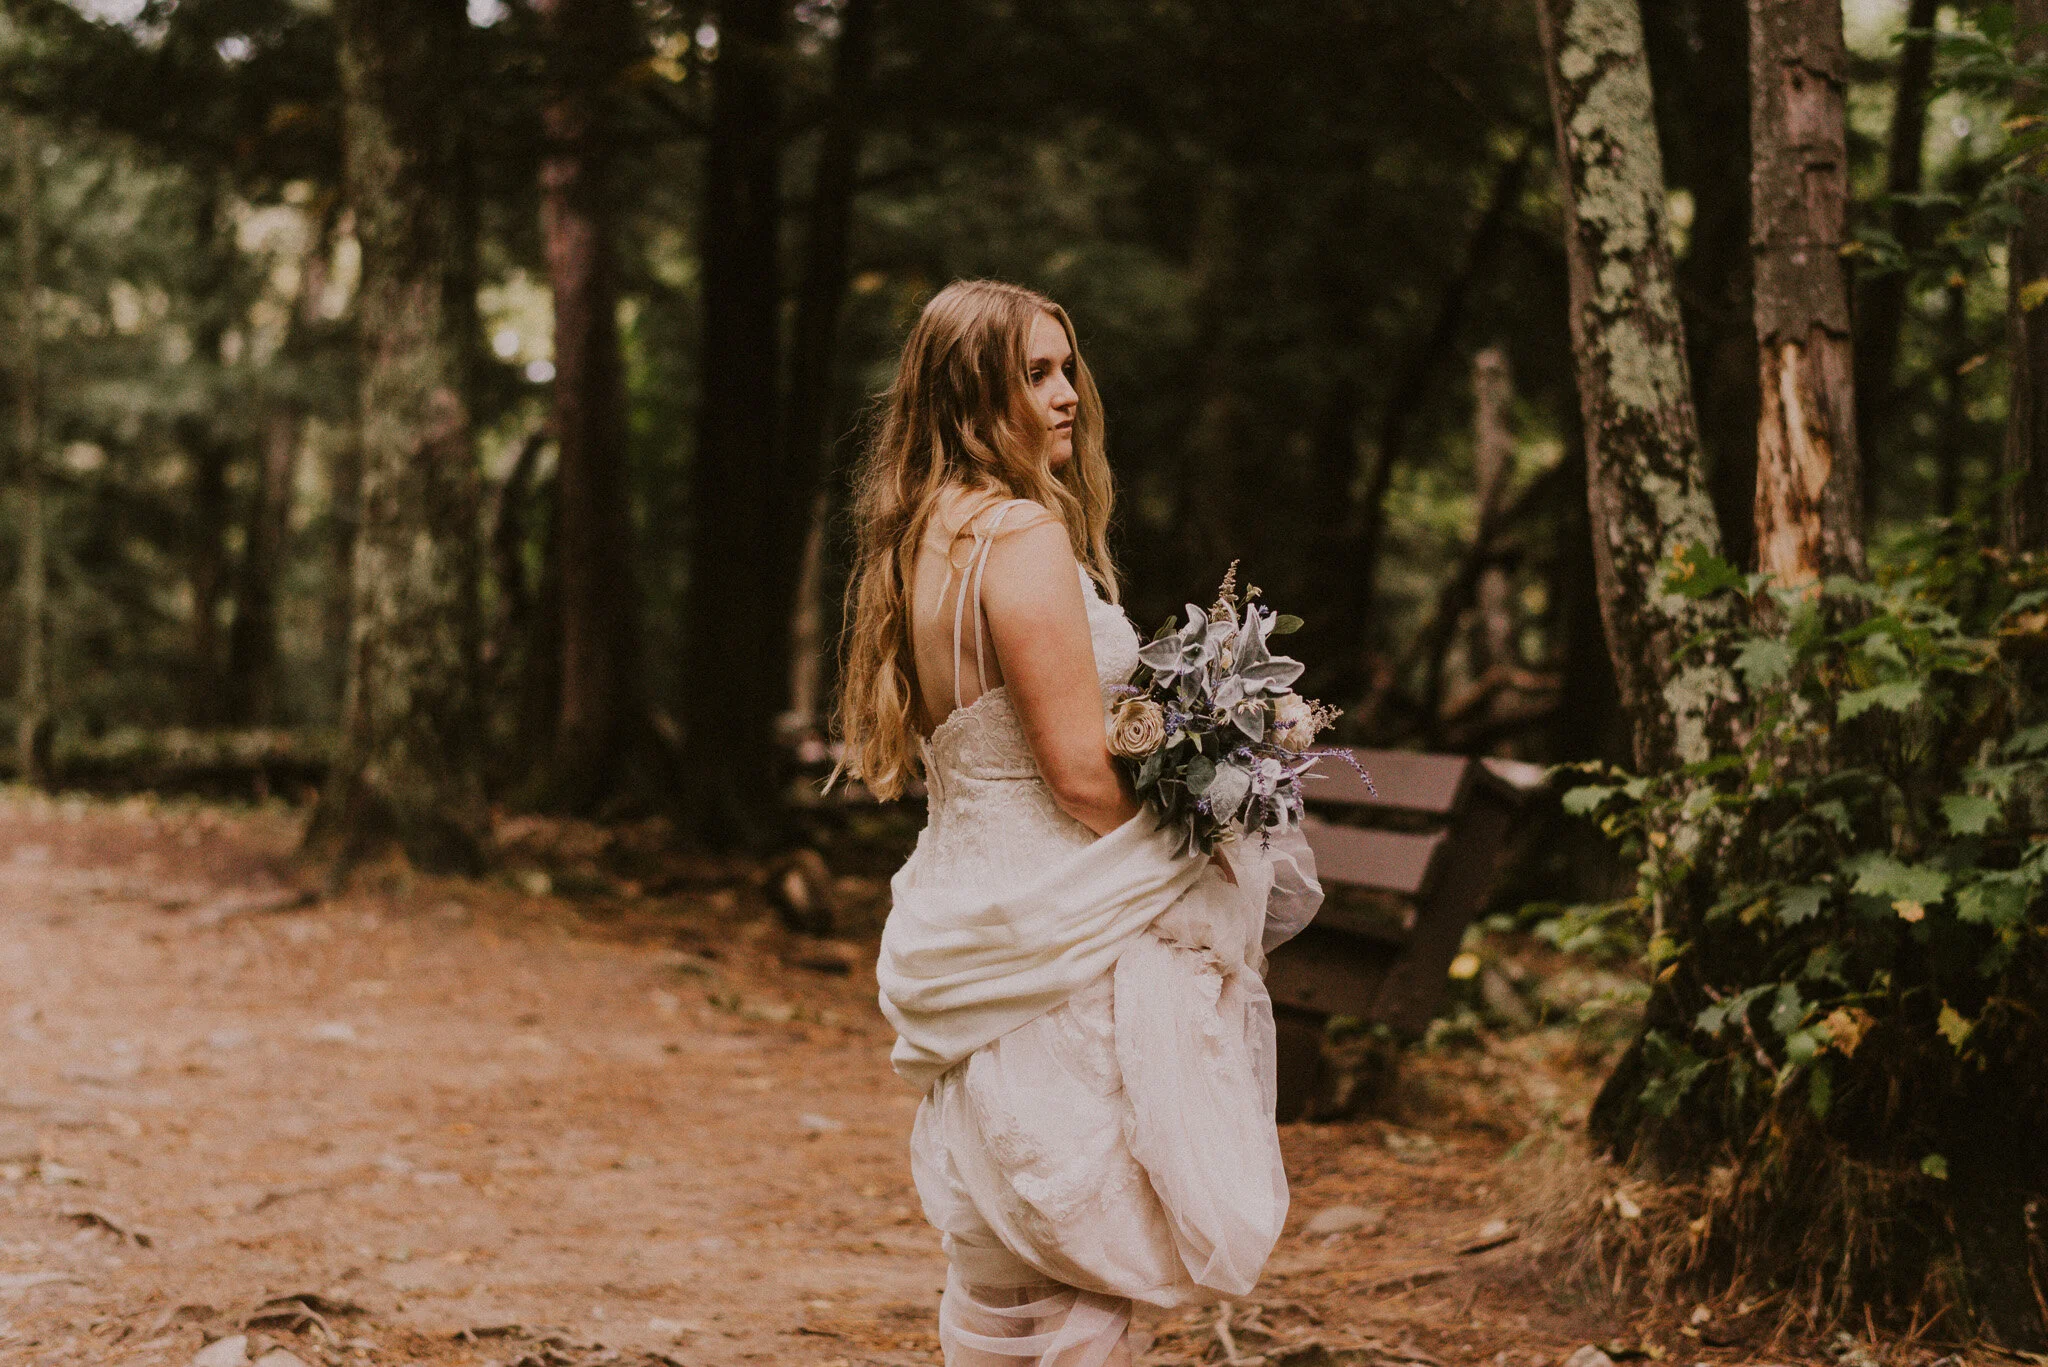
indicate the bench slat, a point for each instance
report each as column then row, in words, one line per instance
column 1406, row 782
column 1385, row 861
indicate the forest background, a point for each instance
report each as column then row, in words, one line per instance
column 451, row 409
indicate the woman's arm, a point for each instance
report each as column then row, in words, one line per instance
column 1039, row 622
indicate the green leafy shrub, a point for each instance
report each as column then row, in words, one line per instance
column 1848, row 912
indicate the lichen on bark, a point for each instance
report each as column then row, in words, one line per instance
column 1646, row 480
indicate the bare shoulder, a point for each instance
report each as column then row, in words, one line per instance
column 1032, row 556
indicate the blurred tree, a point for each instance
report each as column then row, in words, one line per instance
column 590, row 45
column 1881, row 303
column 734, row 638
column 809, row 429
column 1647, row 485
column 33, row 725
column 1809, row 501
column 408, row 769
column 2023, row 504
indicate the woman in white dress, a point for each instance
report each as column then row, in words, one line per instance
column 1080, row 1004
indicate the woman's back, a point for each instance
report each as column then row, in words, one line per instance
column 991, row 815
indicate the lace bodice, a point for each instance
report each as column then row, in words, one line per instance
column 990, row 812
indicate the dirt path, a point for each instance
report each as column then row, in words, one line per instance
column 465, row 1124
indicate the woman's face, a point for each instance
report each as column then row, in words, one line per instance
column 1051, row 373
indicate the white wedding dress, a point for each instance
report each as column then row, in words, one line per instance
column 1088, row 1020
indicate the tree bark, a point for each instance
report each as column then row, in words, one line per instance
column 732, row 628
column 2023, row 506
column 32, row 693
column 252, row 639
column 1809, row 501
column 1881, row 311
column 408, row 768
column 1647, row 492
column 590, row 45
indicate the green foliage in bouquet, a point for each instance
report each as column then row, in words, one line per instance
column 1849, row 925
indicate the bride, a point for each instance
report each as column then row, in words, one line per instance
column 1080, row 1003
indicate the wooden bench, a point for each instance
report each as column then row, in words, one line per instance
column 1405, row 868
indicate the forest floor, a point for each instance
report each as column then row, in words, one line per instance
column 463, row 1122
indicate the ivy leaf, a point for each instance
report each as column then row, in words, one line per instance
column 1993, row 902
column 1820, row 1091
column 1286, row 624
column 1880, row 875
column 1953, row 1027
column 2032, row 741
column 1199, row 774
column 1763, row 661
column 1896, row 696
column 1699, row 573
column 1801, row 904
column 1788, row 1010
column 1968, row 813
column 1835, row 812
column 1585, row 801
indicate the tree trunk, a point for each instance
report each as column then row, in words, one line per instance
column 206, row 525
column 32, row 695
column 1646, row 487
column 252, row 640
column 807, row 636
column 733, row 631
column 1809, row 502
column 1881, row 311
column 408, row 768
column 590, row 45
column 1954, row 430
column 2023, row 506
column 1493, row 446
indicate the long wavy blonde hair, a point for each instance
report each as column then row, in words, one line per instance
column 959, row 415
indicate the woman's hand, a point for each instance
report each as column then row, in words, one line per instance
column 1039, row 621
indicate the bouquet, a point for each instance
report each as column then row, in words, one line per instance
column 1210, row 728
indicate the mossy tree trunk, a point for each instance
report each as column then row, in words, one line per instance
column 590, row 44
column 2023, row 507
column 408, row 770
column 1646, row 484
column 734, row 634
column 1809, row 497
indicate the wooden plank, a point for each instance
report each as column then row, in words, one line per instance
column 1386, row 861
column 1477, row 849
column 1327, row 971
column 1405, row 781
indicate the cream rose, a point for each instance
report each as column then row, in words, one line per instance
column 1137, row 727
column 1294, row 723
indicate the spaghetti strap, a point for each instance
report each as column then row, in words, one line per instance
column 970, row 587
